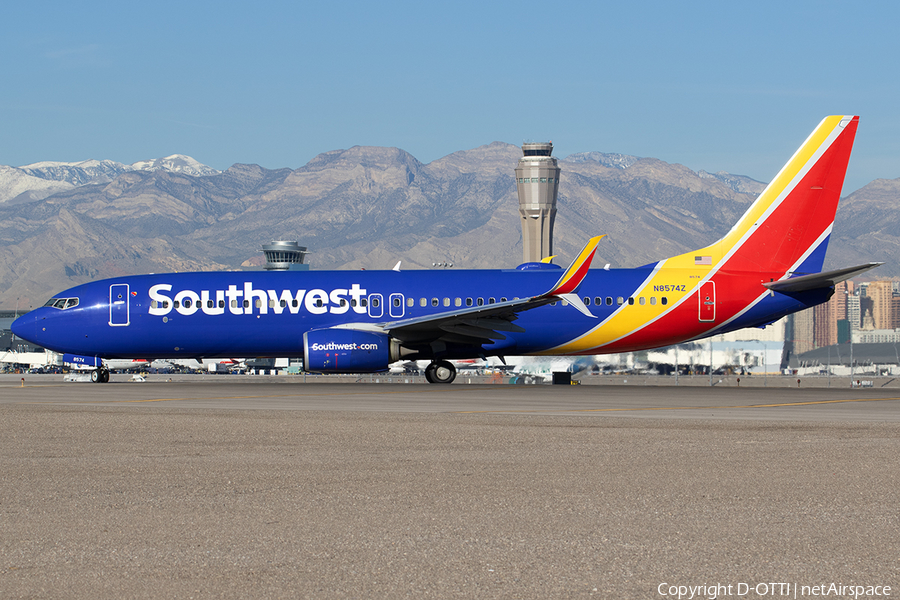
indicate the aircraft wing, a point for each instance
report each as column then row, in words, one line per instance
column 819, row 280
column 481, row 324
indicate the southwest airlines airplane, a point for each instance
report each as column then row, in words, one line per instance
column 769, row 265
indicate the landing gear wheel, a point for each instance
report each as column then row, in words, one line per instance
column 99, row 376
column 440, row 371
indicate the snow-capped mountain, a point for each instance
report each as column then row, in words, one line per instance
column 616, row 161
column 77, row 173
column 177, row 163
column 18, row 184
column 39, row 180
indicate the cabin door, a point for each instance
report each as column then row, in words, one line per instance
column 396, row 309
column 708, row 301
column 376, row 310
column 119, row 312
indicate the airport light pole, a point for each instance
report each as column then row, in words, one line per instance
column 676, row 364
column 846, row 303
column 13, row 336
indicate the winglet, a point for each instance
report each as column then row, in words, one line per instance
column 573, row 276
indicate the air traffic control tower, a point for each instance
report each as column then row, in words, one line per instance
column 537, row 181
column 285, row 256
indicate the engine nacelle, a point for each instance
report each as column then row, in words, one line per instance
column 348, row 351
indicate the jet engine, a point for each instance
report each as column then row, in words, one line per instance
column 337, row 350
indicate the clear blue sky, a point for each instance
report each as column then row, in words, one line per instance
column 711, row 85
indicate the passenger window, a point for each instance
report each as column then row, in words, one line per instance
column 653, row 301
column 491, row 301
column 258, row 303
column 446, row 301
column 246, row 304
column 631, row 301
column 597, row 301
column 480, row 301
column 396, row 302
column 503, row 299
column 284, row 303
column 375, row 303
column 642, row 300
column 221, row 304
column 153, row 304
column 468, row 302
column 295, row 303
column 187, row 302
column 620, row 301
column 318, row 303
column 175, row 304
column 434, row 301
column 423, row 302
column 410, row 302
column 364, row 302
column 457, row 302
column 664, row 300
column 609, row 300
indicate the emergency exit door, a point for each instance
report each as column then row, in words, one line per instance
column 708, row 301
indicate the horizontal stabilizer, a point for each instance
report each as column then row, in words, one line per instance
column 819, row 280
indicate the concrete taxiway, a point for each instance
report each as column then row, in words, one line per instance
column 814, row 404
column 239, row 487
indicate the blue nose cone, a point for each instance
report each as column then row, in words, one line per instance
column 24, row 327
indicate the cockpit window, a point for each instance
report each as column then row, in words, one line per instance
column 62, row 303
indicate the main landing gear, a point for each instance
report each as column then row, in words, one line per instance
column 440, row 371
column 100, row 376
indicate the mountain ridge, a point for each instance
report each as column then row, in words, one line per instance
column 367, row 207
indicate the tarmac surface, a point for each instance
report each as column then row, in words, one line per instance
column 236, row 487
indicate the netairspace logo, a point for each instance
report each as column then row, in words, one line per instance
column 771, row 590
column 244, row 301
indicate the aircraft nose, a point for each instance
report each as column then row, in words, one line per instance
column 24, row 327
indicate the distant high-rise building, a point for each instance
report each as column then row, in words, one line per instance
column 537, row 181
column 881, row 294
column 803, row 335
column 853, row 314
column 827, row 315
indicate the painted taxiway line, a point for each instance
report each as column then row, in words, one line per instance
column 420, row 390
column 656, row 408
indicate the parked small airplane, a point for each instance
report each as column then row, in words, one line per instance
column 767, row 266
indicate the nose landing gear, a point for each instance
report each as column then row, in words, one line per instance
column 440, row 371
